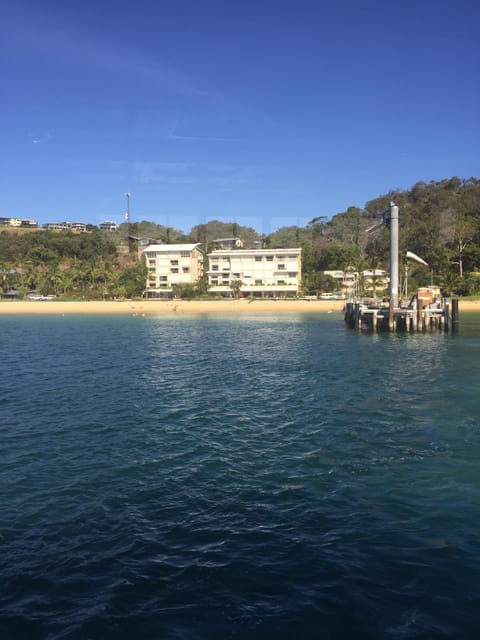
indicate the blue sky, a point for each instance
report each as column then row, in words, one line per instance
column 266, row 113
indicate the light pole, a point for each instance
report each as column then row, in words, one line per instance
column 393, row 263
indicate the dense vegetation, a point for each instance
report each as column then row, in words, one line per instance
column 83, row 265
column 439, row 221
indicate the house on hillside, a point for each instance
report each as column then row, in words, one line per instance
column 65, row 226
column 354, row 283
column 228, row 243
column 169, row 265
column 10, row 222
column 261, row 273
column 108, row 226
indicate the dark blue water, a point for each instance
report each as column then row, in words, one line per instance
column 256, row 477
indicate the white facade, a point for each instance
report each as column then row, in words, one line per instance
column 65, row 226
column 169, row 265
column 352, row 283
column 108, row 226
column 11, row 222
column 266, row 273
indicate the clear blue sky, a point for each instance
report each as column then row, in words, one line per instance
column 267, row 113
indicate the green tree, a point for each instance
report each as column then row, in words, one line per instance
column 235, row 288
column 132, row 280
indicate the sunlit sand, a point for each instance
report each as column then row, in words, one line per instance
column 139, row 307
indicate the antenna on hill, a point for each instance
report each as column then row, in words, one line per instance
column 127, row 214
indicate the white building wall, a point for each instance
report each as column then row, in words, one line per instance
column 172, row 264
column 262, row 272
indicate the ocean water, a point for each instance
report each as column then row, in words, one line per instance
column 263, row 477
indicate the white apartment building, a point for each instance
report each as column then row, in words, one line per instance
column 169, row 265
column 263, row 273
column 353, row 283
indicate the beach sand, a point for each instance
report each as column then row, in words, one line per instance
column 139, row 307
column 170, row 307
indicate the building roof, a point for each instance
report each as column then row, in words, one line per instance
column 254, row 252
column 167, row 248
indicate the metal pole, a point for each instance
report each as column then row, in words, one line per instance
column 393, row 262
column 127, row 215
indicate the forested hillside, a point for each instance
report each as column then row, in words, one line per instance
column 68, row 263
column 439, row 221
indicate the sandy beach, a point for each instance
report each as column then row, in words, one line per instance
column 139, row 307
column 149, row 307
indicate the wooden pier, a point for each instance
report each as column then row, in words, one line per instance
column 442, row 316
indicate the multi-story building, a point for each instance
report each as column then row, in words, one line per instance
column 169, row 265
column 18, row 222
column 354, row 283
column 262, row 273
column 108, row 226
column 228, row 243
column 65, row 226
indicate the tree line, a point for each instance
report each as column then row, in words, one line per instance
column 439, row 221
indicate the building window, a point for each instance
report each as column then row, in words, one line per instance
column 214, row 281
column 150, row 254
column 151, row 270
column 226, row 259
column 258, row 258
column 281, row 266
column 214, row 267
column 293, row 274
column 235, row 275
column 258, row 281
column 163, row 278
column 225, row 282
column 269, row 258
column 184, row 254
column 281, row 282
column 186, row 269
column 174, row 262
column 280, row 257
column 173, row 270
column 151, row 263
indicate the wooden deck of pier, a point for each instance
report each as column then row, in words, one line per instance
column 371, row 317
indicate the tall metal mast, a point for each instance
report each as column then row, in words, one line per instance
column 393, row 261
column 127, row 214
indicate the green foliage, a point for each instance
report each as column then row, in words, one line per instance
column 188, row 291
column 131, row 281
column 146, row 229
column 287, row 237
column 235, row 287
column 339, row 256
column 315, row 283
column 185, row 291
column 214, row 229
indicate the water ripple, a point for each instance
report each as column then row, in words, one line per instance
column 226, row 478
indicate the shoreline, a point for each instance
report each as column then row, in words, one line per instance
column 148, row 307
column 179, row 307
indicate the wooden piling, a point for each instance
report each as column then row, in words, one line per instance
column 455, row 315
